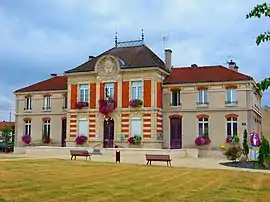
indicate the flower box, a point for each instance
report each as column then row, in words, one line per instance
column 201, row 140
column 81, row 139
column 26, row 139
column 134, row 140
column 135, row 103
column 106, row 106
column 82, row 104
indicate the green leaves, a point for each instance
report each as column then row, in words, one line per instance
column 257, row 12
column 264, row 84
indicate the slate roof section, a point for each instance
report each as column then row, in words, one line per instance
column 132, row 57
column 52, row 84
column 204, row 74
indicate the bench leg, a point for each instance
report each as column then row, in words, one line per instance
column 71, row 158
column 86, row 158
column 147, row 163
column 150, row 163
column 89, row 157
column 170, row 163
column 75, row 157
column 167, row 163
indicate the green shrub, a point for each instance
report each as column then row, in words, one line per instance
column 245, row 143
column 264, row 150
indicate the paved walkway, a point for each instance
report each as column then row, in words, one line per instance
column 201, row 163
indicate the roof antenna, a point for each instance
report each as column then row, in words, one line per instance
column 142, row 36
column 116, row 39
column 164, row 39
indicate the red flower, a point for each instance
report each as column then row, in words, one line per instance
column 82, row 104
column 229, row 139
column 26, row 139
column 106, row 106
column 47, row 140
column 81, row 139
column 131, row 140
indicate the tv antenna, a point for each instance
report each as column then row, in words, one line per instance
column 164, row 40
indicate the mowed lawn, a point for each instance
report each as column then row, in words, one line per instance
column 74, row 181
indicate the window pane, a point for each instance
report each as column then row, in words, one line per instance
column 233, row 95
column 174, row 98
column 200, row 129
column 205, row 132
column 136, row 126
column 139, row 90
column 133, row 92
column 234, row 128
column 228, row 95
column 229, row 130
column 205, row 96
column 200, row 96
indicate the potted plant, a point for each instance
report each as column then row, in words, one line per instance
column 202, row 140
column 81, row 139
column 26, row 139
column 82, row 104
column 135, row 103
column 106, row 106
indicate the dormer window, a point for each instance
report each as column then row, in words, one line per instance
column 47, row 102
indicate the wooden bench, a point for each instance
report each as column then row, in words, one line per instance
column 158, row 157
column 75, row 153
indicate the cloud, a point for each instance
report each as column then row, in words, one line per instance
column 40, row 37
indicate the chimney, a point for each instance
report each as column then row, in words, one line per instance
column 168, row 59
column 91, row 57
column 233, row 66
column 53, row 74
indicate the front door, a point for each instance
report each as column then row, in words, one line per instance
column 108, row 133
column 176, row 133
column 64, row 133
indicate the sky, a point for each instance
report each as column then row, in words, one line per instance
column 42, row 37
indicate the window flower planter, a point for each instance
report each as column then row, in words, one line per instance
column 135, row 103
column 106, row 106
column 81, row 139
column 201, row 141
column 82, row 104
column 26, row 139
column 134, row 140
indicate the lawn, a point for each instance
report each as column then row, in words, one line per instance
column 65, row 180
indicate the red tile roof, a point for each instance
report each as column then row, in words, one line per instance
column 204, row 74
column 54, row 83
column 4, row 124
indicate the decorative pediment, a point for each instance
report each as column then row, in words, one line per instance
column 107, row 67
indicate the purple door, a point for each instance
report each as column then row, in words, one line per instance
column 64, row 133
column 176, row 133
column 108, row 133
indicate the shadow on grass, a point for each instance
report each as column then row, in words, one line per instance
column 245, row 164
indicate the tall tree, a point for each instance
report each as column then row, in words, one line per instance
column 261, row 10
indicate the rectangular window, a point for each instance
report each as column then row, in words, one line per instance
column 83, row 127
column 109, row 90
column 231, row 126
column 47, row 128
column 203, row 97
column 136, row 90
column 203, row 127
column 175, row 98
column 136, row 126
column 47, row 103
column 27, row 127
column 84, row 92
column 28, row 104
column 231, row 96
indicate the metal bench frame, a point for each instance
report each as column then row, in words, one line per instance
column 158, row 157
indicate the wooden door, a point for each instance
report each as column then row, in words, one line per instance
column 176, row 133
column 64, row 133
column 108, row 133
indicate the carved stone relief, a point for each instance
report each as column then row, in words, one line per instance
column 107, row 68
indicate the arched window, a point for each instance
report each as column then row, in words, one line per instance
column 231, row 126
column 136, row 126
column 203, row 126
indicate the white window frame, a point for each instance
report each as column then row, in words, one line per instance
column 47, row 127
column 178, row 98
column 84, row 130
column 138, row 120
column 27, row 127
column 204, row 121
column 230, row 99
column 231, row 128
column 204, row 94
column 47, row 103
column 28, row 103
column 110, row 88
column 136, row 90
column 84, row 92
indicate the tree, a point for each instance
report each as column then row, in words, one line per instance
column 7, row 135
column 258, row 11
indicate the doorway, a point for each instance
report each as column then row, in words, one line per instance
column 64, row 133
column 108, row 136
column 176, row 132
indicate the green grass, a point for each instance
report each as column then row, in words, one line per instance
column 65, row 180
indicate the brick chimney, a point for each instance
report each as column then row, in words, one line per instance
column 233, row 66
column 168, row 59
